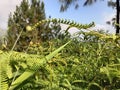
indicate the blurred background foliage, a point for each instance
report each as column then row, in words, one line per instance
column 90, row 62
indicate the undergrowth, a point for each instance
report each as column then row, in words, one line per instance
column 88, row 61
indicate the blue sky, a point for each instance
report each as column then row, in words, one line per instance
column 98, row 12
column 86, row 14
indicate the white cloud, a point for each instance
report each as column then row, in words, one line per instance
column 7, row 6
column 108, row 16
column 105, row 27
column 72, row 30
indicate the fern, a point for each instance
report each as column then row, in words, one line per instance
column 64, row 21
column 3, row 71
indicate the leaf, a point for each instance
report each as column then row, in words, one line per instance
column 105, row 70
column 22, row 78
column 3, row 76
column 96, row 84
column 79, row 81
column 118, row 59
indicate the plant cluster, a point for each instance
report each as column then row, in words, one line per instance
column 88, row 61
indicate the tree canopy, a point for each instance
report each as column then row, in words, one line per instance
column 29, row 13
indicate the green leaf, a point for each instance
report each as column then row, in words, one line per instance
column 79, row 81
column 96, row 84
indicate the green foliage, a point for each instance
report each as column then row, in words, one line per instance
column 29, row 62
column 90, row 62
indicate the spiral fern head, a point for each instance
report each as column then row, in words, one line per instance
column 64, row 21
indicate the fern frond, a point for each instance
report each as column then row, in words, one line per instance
column 3, row 76
column 64, row 21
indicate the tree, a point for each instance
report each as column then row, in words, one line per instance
column 115, row 4
column 66, row 3
column 29, row 13
column 117, row 16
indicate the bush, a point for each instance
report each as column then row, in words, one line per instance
column 91, row 61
